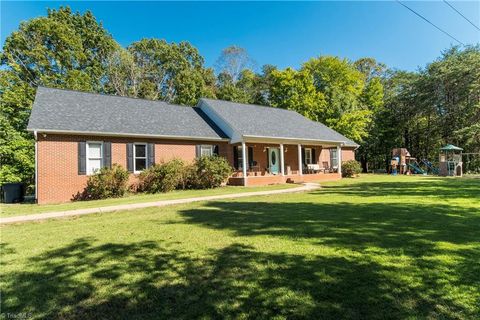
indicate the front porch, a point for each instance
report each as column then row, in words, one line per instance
column 260, row 163
column 278, row 179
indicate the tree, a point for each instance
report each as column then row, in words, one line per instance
column 370, row 68
column 232, row 61
column 248, row 89
column 294, row 90
column 17, row 155
column 342, row 86
column 123, row 76
column 64, row 50
column 176, row 71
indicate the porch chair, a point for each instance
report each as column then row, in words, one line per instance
column 326, row 167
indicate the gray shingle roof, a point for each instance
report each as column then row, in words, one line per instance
column 66, row 110
column 253, row 120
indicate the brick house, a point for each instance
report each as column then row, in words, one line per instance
column 77, row 133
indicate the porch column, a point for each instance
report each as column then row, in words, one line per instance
column 339, row 159
column 300, row 164
column 282, row 162
column 244, row 162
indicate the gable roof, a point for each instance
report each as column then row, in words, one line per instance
column 248, row 120
column 67, row 111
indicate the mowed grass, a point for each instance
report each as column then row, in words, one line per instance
column 9, row 210
column 375, row 247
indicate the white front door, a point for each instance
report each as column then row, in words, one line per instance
column 274, row 158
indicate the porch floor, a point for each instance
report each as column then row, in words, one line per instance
column 278, row 179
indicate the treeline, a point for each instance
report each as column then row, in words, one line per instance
column 378, row 107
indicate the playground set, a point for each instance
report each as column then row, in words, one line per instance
column 449, row 162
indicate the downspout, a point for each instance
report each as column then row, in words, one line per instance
column 36, row 165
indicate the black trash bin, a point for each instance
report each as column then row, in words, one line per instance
column 12, row 192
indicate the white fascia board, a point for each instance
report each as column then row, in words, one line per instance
column 125, row 135
column 285, row 140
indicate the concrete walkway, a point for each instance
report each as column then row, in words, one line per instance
column 79, row 212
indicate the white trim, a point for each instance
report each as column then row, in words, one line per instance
column 87, row 156
column 210, row 146
column 253, row 138
column 244, row 161
column 339, row 159
column 36, row 164
column 311, row 155
column 127, row 135
column 135, row 157
column 282, row 162
column 300, row 163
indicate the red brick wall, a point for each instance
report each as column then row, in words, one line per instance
column 348, row 154
column 57, row 156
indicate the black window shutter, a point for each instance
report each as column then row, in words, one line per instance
column 314, row 159
column 250, row 156
column 150, row 154
column 215, row 150
column 303, row 155
column 235, row 157
column 130, row 157
column 82, row 157
column 107, row 154
column 198, row 150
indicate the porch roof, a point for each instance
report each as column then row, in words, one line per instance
column 246, row 122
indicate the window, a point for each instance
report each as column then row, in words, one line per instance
column 308, row 156
column 206, row 150
column 240, row 157
column 273, row 157
column 140, row 157
column 94, row 157
column 333, row 158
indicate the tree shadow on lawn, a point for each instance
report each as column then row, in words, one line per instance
column 413, row 228
column 445, row 188
column 148, row 280
column 151, row 280
column 441, row 241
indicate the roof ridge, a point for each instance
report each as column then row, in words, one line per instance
column 114, row 96
column 249, row 104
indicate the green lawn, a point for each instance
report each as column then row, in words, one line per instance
column 9, row 210
column 377, row 247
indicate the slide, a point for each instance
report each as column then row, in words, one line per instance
column 430, row 166
column 416, row 169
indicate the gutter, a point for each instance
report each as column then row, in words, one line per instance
column 125, row 135
column 334, row 142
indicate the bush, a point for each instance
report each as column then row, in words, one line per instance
column 350, row 168
column 209, row 172
column 164, row 177
column 106, row 183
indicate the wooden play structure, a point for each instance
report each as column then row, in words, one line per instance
column 403, row 163
column 450, row 161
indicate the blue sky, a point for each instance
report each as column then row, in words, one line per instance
column 280, row 33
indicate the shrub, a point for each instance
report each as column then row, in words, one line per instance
column 106, row 183
column 350, row 168
column 164, row 177
column 208, row 172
